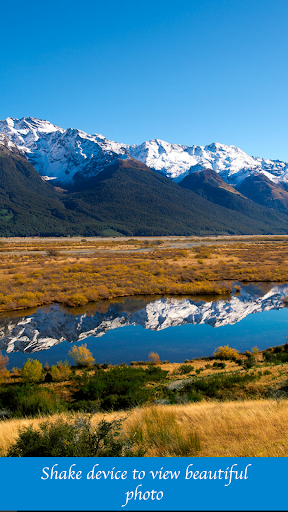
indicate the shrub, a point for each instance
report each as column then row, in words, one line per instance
column 250, row 361
column 77, row 299
column 32, row 371
column 154, row 358
column 218, row 365
column 4, row 360
column 219, row 386
column 28, row 400
column 53, row 252
column 226, row 352
column 76, row 438
column 81, row 355
column 48, row 377
column 120, row 387
column 39, row 402
column 61, row 372
column 255, row 350
column 185, row 368
column 276, row 358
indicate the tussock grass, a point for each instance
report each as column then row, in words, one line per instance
column 49, row 272
column 230, row 429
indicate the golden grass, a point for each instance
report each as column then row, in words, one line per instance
column 228, row 429
column 31, row 279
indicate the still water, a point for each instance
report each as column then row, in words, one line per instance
column 128, row 329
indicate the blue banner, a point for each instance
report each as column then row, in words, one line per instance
column 143, row 483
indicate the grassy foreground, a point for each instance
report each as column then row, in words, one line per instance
column 254, row 428
column 228, row 405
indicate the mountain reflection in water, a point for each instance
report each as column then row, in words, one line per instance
column 47, row 327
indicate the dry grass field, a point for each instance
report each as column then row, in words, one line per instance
column 245, row 415
column 255, row 428
column 75, row 273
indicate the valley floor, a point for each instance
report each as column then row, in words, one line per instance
column 74, row 273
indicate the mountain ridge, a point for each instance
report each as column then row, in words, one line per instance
column 62, row 154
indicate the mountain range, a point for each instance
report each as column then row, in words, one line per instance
column 58, row 182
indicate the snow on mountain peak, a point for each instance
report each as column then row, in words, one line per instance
column 59, row 153
column 233, row 164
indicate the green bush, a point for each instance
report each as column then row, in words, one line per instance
column 219, row 386
column 76, row 438
column 185, row 368
column 40, row 402
column 250, row 361
column 219, row 365
column 32, row 371
column 30, row 400
column 120, row 387
column 276, row 357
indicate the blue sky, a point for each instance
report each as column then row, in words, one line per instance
column 190, row 72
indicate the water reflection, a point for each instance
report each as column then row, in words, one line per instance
column 46, row 327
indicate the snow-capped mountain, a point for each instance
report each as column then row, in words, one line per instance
column 176, row 161
column 72, row 154
column 46, row 328
column 59, row 153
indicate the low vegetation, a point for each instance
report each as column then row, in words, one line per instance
column 43, row 273
column 74, row 438
column 153, row 396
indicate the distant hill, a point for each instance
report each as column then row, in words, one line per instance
column 129, row 194
column 29, row 205
column 263, row 191
column 125, row 198
column 210, row 185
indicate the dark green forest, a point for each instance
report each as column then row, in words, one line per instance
column 126, row 198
